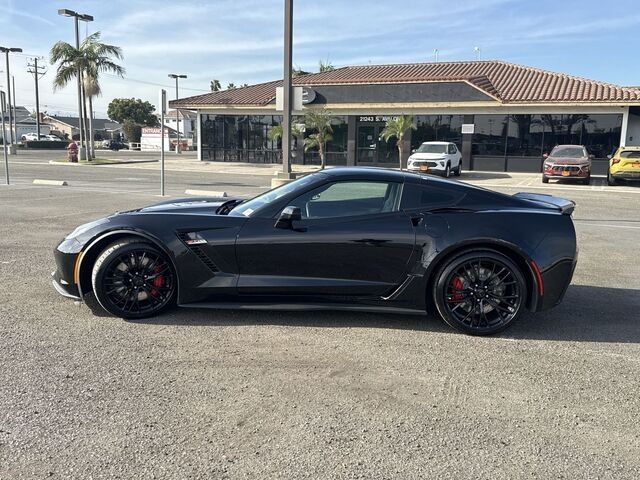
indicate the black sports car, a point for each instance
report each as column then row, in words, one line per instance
column 360, row 239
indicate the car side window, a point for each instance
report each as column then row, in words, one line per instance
column 427, row 197
column 349, row 198
column 452, row 148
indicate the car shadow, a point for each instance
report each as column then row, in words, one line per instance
column 480, row 175
column 587, row 314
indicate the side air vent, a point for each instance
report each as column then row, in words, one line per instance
column 193, row 241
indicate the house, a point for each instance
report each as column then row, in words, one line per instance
column 182, row 121
column 25, row 123
column 67, row 127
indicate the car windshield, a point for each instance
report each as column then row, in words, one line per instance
column 630, row 154
column 432, row 148
column 568, row 152
column 247, row 208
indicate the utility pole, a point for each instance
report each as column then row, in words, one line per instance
column 7, row 50
column 13, row 92
column 176, row 76
column 3, row 105
column 286, row 90
column 37, row 72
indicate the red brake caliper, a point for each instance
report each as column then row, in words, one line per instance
column 456, row 286
column 157, row 281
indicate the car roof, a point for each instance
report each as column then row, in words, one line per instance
column 436, row 143
column 370, row 173
column 631, row 147
column 569, row 145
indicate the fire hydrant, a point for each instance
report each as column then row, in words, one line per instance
column 72, row 152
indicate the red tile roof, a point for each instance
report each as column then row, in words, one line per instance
column 507, row 82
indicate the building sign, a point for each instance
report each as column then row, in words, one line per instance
column 468, row 128
column 376, row 118
column 154, row 131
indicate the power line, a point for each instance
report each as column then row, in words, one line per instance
column 127, row 79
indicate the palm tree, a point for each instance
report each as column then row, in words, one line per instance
column 325, row 66
column 215, row 85
column 397, row 127
column 320, row 121
column 89, row 61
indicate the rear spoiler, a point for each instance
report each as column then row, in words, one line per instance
column 562, row 204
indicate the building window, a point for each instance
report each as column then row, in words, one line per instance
column 489, row 135
column 443, row 128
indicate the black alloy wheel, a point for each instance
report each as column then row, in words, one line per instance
column 480, row 292
column 133, row 279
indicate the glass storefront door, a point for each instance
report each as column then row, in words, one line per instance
column 372, row 150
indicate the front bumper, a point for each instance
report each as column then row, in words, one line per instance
column 63, row 276
column 427, row 167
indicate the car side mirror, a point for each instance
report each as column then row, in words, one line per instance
column 289, row 215
column 545, row 155
column 591, row 156
column 609, row 157
column 413, row 150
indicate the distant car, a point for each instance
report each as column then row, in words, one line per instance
column 32, row 137
column 115, row 145
column 567, row 162
column 440, row 158
column 53, row 138
column 624, row 165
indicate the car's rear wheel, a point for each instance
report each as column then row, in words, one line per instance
column 480, row 292
column 133, row 279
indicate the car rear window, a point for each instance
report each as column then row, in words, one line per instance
column 630, row 154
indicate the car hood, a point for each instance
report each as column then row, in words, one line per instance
column 427, row 156
column 205, row 205
column 568, row 160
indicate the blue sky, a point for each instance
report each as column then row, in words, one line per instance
column 241, row 40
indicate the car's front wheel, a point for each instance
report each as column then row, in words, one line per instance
column 480, row 292
column 545, row 179
column 447, row 171
column 458, row 171
column 133, row 279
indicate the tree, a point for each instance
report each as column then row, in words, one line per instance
column 92, row 58
column 132, row 131
column 231, row 86
column 298, row 72
column 325, row 66
column 134, row 109
column 215, row 85
column 275, row 133
column 319, row 121
column 397, row 127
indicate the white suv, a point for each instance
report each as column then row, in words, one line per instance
column 440, row 158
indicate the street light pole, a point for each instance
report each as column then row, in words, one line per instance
column 4, row 138
column 6, row 50
column 286, row 97
column 82, row 151
column 176, row 76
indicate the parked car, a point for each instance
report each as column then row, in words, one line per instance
column 624, row 165
column 567, row 162
column 440, row 158
column 353, row 239
column 32, row 137
column 53, row 138
column 115, row 145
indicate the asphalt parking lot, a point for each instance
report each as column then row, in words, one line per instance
column 219, row 394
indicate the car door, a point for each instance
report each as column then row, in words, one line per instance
column 352, row 239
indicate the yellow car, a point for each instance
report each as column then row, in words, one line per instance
column 624, row 165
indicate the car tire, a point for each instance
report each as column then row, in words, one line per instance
column 479, row 292
column 545, row 179
column 611, row 181
column 447, row 171
column 133, row 279
column 458, row 170
column 587, row 180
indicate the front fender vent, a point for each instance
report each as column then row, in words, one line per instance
column 192, row 241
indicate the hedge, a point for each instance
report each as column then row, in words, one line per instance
column 45, row 144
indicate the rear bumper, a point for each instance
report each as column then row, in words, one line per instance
column 626, row 175
column 556, row 280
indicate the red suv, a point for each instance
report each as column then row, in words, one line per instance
column 567, row 162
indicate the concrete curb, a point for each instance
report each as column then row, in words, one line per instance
column 206, row 193
column 98, row 164
column 55, row 183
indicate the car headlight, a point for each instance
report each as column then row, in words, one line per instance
column 85, row 228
